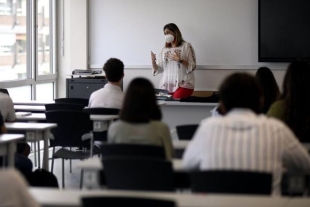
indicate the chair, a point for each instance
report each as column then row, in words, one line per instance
column 103, row 111
column 101, row 136
column 4, row 90
column 117, row 201
column 232, row 182
column 136, row 173
column 82, row 101
column 186, row 132
column 73, row 128
column 133, row 150
column 64, row 106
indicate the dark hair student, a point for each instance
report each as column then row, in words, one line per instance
column 114, row 69
column 140, row 103
column 294, row 105
column 270, row 88
column 240, row 90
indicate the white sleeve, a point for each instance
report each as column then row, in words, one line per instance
column 190, row 57
column 193, row 152
column 295, row 156
column 159, row 64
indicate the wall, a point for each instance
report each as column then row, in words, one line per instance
column 75, row 56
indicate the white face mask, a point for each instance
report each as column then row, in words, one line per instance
column 169, row 38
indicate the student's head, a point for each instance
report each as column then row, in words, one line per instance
column 173, row 29
column 296, row 87
column 240, row 90
column 114, row 70
column 270, row 88
column 296, row 80
column 140, row 103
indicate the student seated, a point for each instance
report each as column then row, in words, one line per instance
column 293, row 108
column 7, row 108
column 243, row 139
column 140, row 119
column 111, row 95
column 22, row 162
column 14, row 190
column 270, row 88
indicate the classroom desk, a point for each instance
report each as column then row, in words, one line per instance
column 179, row 113
column 33, row 103
column 8, row 146
column 58, row 198
column 34, row 133
column 35, row 108
column 180, row 144
column 100, row 122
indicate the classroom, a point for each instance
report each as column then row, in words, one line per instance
column 169, row 102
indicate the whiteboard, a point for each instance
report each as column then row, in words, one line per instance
column 223, row 33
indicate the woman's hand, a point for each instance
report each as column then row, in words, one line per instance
column 153, row 57
column 174, row 57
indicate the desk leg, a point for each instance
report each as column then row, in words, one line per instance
column 45, row 150
column 39, row 156
column 11, row 154
column 35, row 153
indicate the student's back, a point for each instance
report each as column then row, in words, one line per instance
column 140, row 119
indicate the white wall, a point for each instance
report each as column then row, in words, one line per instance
column 72, row 39
column 75, row 52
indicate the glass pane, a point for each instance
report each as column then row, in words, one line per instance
column 13, row 40
column 43, row 16
column 22, row 93
column 45, row 92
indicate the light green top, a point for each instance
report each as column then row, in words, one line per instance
column 153, row 133
column 277, row 110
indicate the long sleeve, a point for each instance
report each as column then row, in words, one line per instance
column 193, row 152
column 295, row 156
column 11, row 111
column 159, row 64
column 190, row 57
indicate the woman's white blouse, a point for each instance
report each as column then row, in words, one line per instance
column 175, row 74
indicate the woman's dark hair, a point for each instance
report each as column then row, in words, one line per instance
column 177, row 34
column 140, row 103
column 296, row 95
column 270, row 88
column 241, row 90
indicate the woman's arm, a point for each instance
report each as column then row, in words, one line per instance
column 190, row 60
column 156, row 68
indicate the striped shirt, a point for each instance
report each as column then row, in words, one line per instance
column 242, row 140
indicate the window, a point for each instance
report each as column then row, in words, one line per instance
column 27, row 41
column 45, row 92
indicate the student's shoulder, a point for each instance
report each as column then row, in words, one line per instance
column 271, row 121
column 159, row 124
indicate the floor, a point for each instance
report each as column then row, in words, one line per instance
column 72, row 180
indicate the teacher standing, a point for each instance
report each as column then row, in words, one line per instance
column 177, row 62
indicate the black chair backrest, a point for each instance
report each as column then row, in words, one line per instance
column 63, row 106
column 133, row 173
column 4, row 90
column 82, row 101
column 232, row 182
column 133, row 150
column 104, row 111
column 71, row 125
column 186, row 132
column 117, row 201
